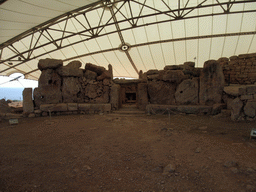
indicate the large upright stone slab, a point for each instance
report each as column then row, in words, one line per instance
column 187, row 92
column 70, row 89
column 250, row 108
column 142, row 96
column 115, row 96
column 45, row 95
column 161, row 92
column 110, row 70
column 49, row 88
column 211, row 83
column 236, row 108
column 28, row 106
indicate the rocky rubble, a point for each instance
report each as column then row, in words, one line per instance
column 242, row 101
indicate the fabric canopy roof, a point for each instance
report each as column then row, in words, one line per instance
column 131, row 35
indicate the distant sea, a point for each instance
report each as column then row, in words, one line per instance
column 11, row 93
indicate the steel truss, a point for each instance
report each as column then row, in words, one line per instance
column 90, row 30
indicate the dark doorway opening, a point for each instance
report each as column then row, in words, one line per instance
column 130, row 97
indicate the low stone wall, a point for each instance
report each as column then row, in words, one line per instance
column 239, row 69
column 71, row 108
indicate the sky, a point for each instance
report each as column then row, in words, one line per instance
column 21, row 82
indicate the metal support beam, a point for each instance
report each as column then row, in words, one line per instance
column 95, row 29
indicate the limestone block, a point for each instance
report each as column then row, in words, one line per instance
column 152, row 77
column 49, row 64
column 91, row 90
column 98, row 69
column 189, row 64
column 211, row 83
column 100, row 108
column 187, row 92
column 12, row 116
column 161, row 109
column 54, row 107
column 37, row 111
column 194, row 109
column 242, row 91
column 173, row 76
column 236, row 107
column 104, row 75
column 250, row 109
column 216, row 108
column 104, row 96
column 74, row 64
column 232, row 91
column 251, row 90
column 161, row 92
column 49, row 78
column 48, row 94
column 110, row 70
column 246, row 97
column 232, row 58
column 91, row 75
column 152, row 72
column 72, row 106
column 173, row 67
column 84, row 107
column 142, row 96
column 70, row 89
column 94, row 108
column 66, row 71
column 28, row 106
column 115, row 96
column 223, row 59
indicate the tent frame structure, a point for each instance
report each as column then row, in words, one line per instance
column 92, row 31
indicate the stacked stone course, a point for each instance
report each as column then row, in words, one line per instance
column 242, row 102
column 239, row 69
column 181, row 88
column 70, row 89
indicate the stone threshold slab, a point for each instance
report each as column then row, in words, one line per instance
column 62, row 107
column 188, row 109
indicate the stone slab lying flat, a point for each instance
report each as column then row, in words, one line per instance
column 54, row 107
column 188, row 109
column 72, row 106
column 94, row 107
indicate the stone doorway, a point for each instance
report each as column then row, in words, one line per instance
column 130, row 97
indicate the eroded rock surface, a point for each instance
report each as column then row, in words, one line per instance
column 211, row 83
column 161, row 92
column 187, row 92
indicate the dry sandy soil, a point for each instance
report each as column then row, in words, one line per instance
column 115, row 152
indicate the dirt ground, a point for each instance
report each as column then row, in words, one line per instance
column 114, row 152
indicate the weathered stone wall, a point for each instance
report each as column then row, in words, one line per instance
column 239, row 69
column 185, row 84
column 71, row 84
column 70, row 89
